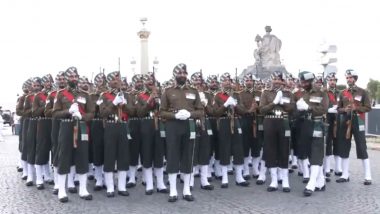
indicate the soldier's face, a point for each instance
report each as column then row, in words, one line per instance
column 181, row 78
column 249, row 83
column 306, row 84
column 226, row 84
column 47, row 85
column 318, row 84
column 332, row 83
column 115, row 83
column 36, row 87
column 350, row 80
column 139, row 85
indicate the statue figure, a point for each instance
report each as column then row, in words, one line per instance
column 268, row 49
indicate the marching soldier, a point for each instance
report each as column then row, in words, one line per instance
column 32, row 129
column 353, row 104
column 115, row 108
column 230, row 139
column 97, row 131
column 247, row 103
column 152, row 145
column 60, row 83
column 180, row 105
column 24, row 121
column 75, row 109
column 331, row 135
column 204, row 132
column 276, row 104
column 134, row 124
column 311, row 104
column 43, row 136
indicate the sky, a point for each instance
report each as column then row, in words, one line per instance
column 47, row 36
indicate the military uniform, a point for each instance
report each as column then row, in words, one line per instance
column 116, row 145
column 29, row 138
column 356, row 97
column 20, row 112
column 276, row 104
column 75, row 109
column 312, row 104
column 229, row 134
column 180, row 106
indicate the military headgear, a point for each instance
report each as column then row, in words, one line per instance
column 195, row 76
column 47, row 78
column 36, row 79
column 319, row 79
column 99, row 78
column 83, row 80
column 211, row 78
column 224, row 77
column 111, row 76
column 60, row 74
column 277, row 74
column 136, row 78
column 351, row 72
column 331, row 76
column 306, row 75
column 249, row 77
column 71, row 71
column 180, row 68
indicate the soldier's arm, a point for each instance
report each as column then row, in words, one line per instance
column 27, row 107
column 38, row 106
column 291, row 106
column 209, row 110
column 90, row 109
column 130, row 107
column 142, row 107
column 265, row 105
column 165, row 112
column 320, row 109
column 49, row 106
column 20, row 106
column 59, row 111
column 198, row 108
column 366, row 104
column 340, row 103
column 106, row 108
column 219, row 108
column 240, row 108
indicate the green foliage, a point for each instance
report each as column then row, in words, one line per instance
column 373, row 88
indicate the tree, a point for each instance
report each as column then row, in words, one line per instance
column 373, row 88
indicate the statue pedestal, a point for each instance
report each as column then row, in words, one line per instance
column 262, row 72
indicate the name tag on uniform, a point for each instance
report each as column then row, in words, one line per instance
column 285, row 100
column 100, row 101
column 84, row 137
column 257, row 99
column 162, row 134
column 315, row 99
column 317, row 134
column 81, row 100
column 190, row 96
column 358, row 98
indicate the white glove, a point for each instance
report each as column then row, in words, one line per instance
column 77, row 114
column 186, row 114
column 234, row 102
column 278, row 98
column 118, row 99
column 302, row 105
column 333, row 109
column 180, row 116
column 229, row 101
column 74, row 108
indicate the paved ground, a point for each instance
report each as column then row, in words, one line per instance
column 352, row 197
